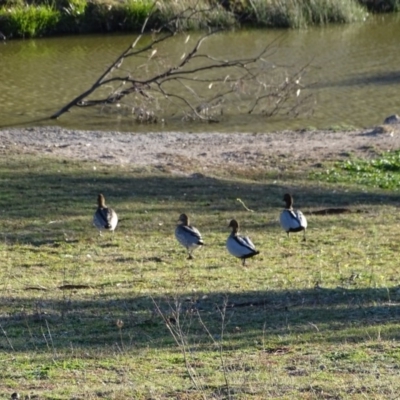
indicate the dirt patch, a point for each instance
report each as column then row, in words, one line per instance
column 183, row 152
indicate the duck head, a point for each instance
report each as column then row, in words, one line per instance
column 184, row 219
column 288, row 199
column 234, row 225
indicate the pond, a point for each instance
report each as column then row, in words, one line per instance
column 353, row 77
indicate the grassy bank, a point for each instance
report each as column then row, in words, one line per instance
column 127, row 317
column 20, row 18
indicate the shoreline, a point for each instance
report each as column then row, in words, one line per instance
column 196, row 152
column 26, row 20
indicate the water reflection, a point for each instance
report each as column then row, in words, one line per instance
column 354, row 76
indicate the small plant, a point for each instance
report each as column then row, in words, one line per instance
column 382, row 172
column 189, row 19
column 73, row 15
column 300, row 14
column 136, row 12
column 29, row 20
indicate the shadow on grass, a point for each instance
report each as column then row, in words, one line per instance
column 47, row 205
column 34, row 191
column 253, row 319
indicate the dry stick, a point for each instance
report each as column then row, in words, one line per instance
column 221, row 355
column 8, row 340
column 171, row 73
column 30, row 332
column 194, row 109
column 178, row 336
column 51, row 339
column 101, row 80
column 175, row 72
column 219, row 343
column 117, row 64
column 244, row 205
column 223, row 64
column 290, row 83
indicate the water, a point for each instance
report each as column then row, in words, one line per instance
column 353, row 77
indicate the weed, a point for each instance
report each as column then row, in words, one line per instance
column 73, row 16
column 300, row 14
column 29, row 20
column 381, row 172
column 136, row 13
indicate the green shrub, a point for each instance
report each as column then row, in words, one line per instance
column 382, row 172
column 381, row 5
column 73, row 15
column 302, row 13
column 206, row 16
column 29, row 20
column 136, row 12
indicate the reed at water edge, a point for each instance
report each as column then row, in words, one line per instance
column 27, row 19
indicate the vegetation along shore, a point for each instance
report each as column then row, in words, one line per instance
column 37, row 18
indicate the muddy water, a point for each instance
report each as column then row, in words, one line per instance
column 353, row 78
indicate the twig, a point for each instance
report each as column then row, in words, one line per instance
column 177, row 334
column 244, row 205
column 8, row 340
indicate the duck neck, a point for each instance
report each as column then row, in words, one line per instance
column 101, row 202
column 289, row 204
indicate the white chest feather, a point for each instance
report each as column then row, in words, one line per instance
column 105, row 218
column 240, row 246
column 292, row 220
column 188, row 236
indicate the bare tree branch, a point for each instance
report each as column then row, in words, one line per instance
column 100, row 81
column 252, row 83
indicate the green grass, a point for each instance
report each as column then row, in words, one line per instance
column 213, row 15
column 303, row 13
column 381, row 172
column 136, row 13
column 19, row 18
column 303, row 321
column 29, row 20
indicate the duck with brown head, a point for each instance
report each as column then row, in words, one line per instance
column 240, row 246
column 292, row 220
column 188, row 236
column 105, row 218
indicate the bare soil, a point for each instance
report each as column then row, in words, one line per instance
column 194, row 152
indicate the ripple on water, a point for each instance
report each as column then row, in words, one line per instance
column 354, row 77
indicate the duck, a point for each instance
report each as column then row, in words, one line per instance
column 188, row 236
column 291, row 220
column 240, row 246
column 105, row 218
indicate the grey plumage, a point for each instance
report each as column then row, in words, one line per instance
column 188, row 236
column 105, row 218
column 292, row 220
column 240, row 246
